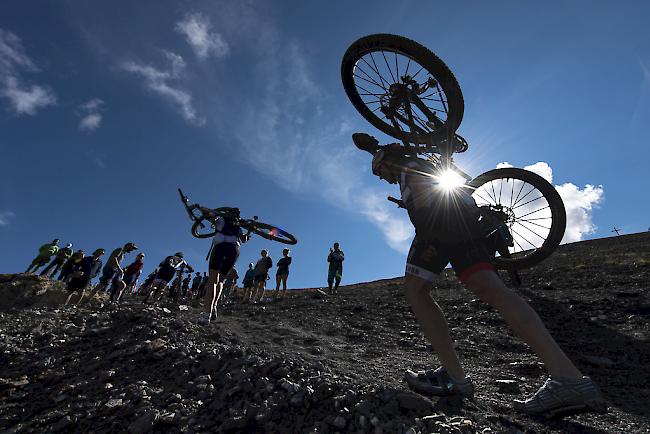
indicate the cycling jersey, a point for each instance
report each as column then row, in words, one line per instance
column 336, row 258
column 168, row 267
column 446, row 216
column 228, row 231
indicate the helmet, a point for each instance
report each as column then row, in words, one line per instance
column 179, row 254
column 130, row 246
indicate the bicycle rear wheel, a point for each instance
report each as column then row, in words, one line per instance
column 536, row 215
column 269, row 232
column 375, row 62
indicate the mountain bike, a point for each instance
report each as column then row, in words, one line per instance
column 204, row 221
column 407, row 92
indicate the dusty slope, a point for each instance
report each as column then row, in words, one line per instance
column 330, row 364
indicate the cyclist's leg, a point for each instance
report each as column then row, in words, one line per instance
column 337, row 277
column 47, row 269
column 278, row 280
column 284, row 283
column 424, row 264
column 524, row 321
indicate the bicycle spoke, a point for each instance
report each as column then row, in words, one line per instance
column 495, row 194
column 440, row 90
column 369, row 79
column 407, row 66
column 512, row 192
column 533, row 212
column 538, row 218
column 481, row 197
column 494, row 199
column 396, row 67
column 419, row 70
column 523, row 238
column 526, row 203
column 363, row 89
column 524, row 196
column 530, row 230
column 514, row 239
column 500, row 190
column 376, row 70
column 520, row 190
column 533, row 223
column 383, row 54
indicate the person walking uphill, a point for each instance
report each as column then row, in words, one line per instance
column 113, row 270
column 82, row 273
column 447, row 230
column 45, row 252
column 335, row 271
column 223, row 255
column 61, row 257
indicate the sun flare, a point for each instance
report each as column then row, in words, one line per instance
column 449, row 180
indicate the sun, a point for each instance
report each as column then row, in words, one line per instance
column 449, row 180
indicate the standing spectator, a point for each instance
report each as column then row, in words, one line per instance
column 82, row 273
column 131, row 274
column 230, row 282
column 202, row 285
column 74, row 260
column 262, row 268
column 186, row 285
column 196, row 283
column 335, row 272
column 61, row 257
column 45, row 252
column 248, row 282
column 283, row 272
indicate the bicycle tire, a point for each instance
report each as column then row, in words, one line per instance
column 196, row 227
column 268, row 231
column 525, row 258
column 413, row 50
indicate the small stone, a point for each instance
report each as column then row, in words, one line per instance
column 508, row 386
column 166, row 310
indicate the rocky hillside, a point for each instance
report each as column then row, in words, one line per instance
column 313, row 363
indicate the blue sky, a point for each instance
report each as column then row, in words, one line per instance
column 107, row 107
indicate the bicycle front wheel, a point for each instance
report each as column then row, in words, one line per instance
column 269, row 232
column 535, row 213
column 373, row 64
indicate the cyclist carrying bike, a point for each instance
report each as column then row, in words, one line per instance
column 222, row 256
column 447, row 230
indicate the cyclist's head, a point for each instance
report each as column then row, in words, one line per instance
column 384, row 164
column 336, row 246
column 285, row 252
column 264, row 252
column 99, row 252
column 55, row 241
column 179, row 254
column 69, row 245
column 140, row 256
column 198, row 274
column 250, row 265
column 129, row 247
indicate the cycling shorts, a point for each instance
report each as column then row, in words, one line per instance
column 223, row 257
column 260, row 277
column 110, row 275
column 427, row 258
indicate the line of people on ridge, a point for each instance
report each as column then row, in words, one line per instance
column 78, row 270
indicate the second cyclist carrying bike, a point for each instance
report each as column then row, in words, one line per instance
column 447, row 229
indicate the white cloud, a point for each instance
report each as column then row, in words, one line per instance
column 578, row 202
column 23, row 98
column 91, row 116
column 164, row 82
column 196, row 29
column 5, row 216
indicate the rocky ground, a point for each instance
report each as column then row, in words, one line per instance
column 313, row 363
